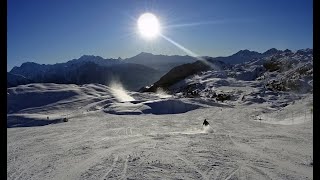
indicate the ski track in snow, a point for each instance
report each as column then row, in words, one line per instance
column 231, row 175
column 124, row 172
column 111, row 168
column 192, row 165
column 74, row 173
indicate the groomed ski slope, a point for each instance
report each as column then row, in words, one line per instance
column 147, row 138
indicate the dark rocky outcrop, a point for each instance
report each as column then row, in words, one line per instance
column 178, row 73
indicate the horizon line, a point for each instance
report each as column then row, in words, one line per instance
column 142, row 52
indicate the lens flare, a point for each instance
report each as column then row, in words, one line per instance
column 189, row 52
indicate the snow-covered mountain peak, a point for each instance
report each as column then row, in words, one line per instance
column 144, row 54
column 246, row 53
column 281, row 73
column 272, row 51
column 89, row 57
column 305, row 52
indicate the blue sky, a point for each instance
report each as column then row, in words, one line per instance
column 51, row 31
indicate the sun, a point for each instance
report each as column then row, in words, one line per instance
column 149, row 26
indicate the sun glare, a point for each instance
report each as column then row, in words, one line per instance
column 148, row 25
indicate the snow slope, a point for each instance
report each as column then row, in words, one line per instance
column 163, row 140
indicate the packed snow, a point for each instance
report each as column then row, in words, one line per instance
column 112, row 133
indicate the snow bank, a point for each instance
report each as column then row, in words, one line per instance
column 27, row 97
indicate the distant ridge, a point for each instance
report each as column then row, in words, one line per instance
column 140, row 70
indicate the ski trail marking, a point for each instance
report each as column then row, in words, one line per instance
column 13, row 174
column 25, row 168
column 189, row 163
column 263, row 173
column 74, row 172
column 22, row 172
column 118, row 132
column 155, row 145
column 124, row 172
column 250, row 150
column 192, row 165
column 111, row 168
column 230, row 175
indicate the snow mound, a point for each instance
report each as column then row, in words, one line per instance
column 25, row 96
column 40, row 97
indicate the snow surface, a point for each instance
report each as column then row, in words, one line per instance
column 157, row 136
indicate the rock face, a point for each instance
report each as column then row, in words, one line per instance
column 223, row 97
column 178, row 73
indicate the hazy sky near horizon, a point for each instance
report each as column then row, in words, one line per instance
column 52, row 31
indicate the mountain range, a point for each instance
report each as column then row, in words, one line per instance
column 274, row 70
column 134, row 73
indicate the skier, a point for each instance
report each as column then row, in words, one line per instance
column 205, row 122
